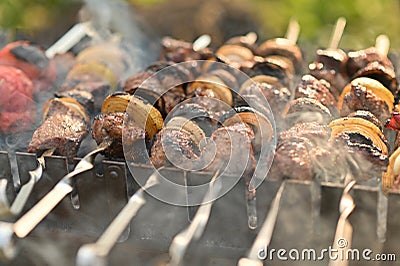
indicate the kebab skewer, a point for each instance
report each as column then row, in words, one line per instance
column 28, row 221
column 181, row 241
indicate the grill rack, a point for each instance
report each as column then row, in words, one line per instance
column 307, row 217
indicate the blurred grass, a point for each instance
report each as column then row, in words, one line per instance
column 365, row 19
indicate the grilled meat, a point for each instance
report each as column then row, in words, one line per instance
column 110, row 126
column 311, row 87
column 63, row 129
column 330, row 65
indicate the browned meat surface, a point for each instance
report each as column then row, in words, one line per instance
column 277, row 97
column 292, row 160
column 360, row 98
column 180, row 51
column 360, row 59
column 316, row 132
column 88, row 93
column 330, row 65
column 110, row 126
column 231, row 142
column 62, row 131
column 167, row 86
column 367, row 115
column 311, row 87
column 307, row 110
column 177, row 143
column 384, row 74
column 369, row 158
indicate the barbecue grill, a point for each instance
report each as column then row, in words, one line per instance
column 307, row 216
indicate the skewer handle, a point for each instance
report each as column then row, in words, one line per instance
column 337, row 33
column 35, row 215
column 292, row 33
column 382, row 44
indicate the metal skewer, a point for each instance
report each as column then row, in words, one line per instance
column 95, row 254
column 181, row 241
column 265, row 235
column 26, row 189
column 29, row 220
column 292, row 34
column 344, row 230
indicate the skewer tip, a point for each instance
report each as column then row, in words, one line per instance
column 293, row 31
column 382, row 44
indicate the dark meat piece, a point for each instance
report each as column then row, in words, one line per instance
column 384, row 74
column 65, row 126
column 227, row 78
column 61, row 131
column 368, row 158
column 292, row 160
column 360, row 59
column 167, row 85
column 177, row 143
column 88, row 93
column 307, row 110
column 361, row 98
column 110, row 126
column 282, row 47
column 330, row 65
column 180, row 51
column 310, row 87
column 315, row 132
column 367, row 115
column 234, row 151
column 277, row 96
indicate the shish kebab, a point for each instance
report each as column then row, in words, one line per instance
column 195, row 230
column 47, row 68
column 109, row 71
column 93, row 253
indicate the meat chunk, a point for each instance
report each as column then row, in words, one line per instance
column 311, row 87
column 234, row 151
column 110, row 126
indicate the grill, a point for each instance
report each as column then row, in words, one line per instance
column 307, row 217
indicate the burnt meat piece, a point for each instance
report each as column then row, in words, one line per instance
column 110, row 126
column 361, row 98
column 311, row 87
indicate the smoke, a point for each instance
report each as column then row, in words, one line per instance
column 115, row 16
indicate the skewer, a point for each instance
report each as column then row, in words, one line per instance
column 36, row 214
column 337, row 33
column 66, row 42
column 26, row 189
column 182, row 240
column 292, row 34
column 201, row 42
column 265, row 235
column 344, row 229
column 382, row 44
column 94, row 254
